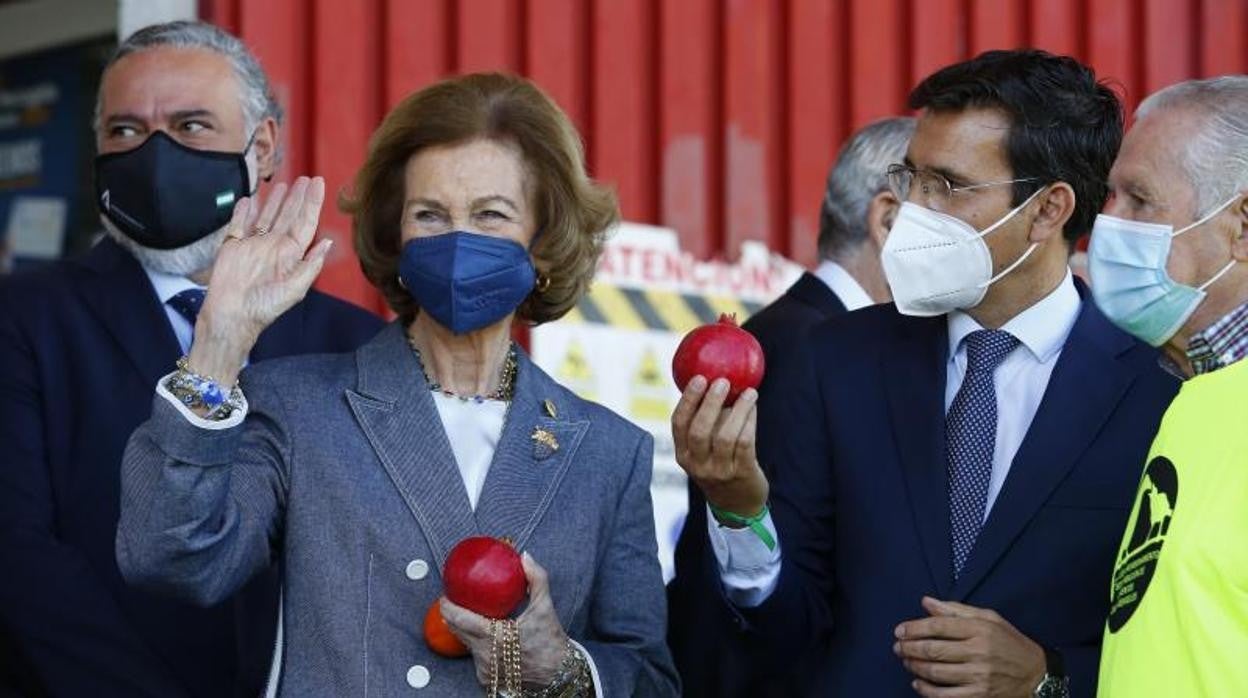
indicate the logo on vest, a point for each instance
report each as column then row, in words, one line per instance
column 1159, row 494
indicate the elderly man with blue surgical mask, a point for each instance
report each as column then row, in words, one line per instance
column 1167, row 264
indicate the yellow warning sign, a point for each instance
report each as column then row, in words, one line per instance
column 575, row 372
column 652, row 393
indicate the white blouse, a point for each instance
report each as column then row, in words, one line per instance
column 473, row 428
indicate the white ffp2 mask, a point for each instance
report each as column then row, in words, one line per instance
column 936, row 263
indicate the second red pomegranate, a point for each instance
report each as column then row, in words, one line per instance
column 720, row 350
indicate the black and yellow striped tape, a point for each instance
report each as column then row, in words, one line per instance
column 649, row 309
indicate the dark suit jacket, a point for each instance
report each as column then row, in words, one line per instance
column 860, row 495
column 81, row 348
column 712, row 654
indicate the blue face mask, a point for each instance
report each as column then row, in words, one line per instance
column 1127, row 261
column 466, row 281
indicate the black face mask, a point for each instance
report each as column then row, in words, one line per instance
column 164, row 195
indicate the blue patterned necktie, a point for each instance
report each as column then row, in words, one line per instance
column 188, row 303
column 971, row 437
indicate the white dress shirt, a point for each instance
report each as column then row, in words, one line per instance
column 846, row 287
column 167, row 286
column 750, row 572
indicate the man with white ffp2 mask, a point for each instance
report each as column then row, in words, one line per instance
column 936, row 262
column 1169, row 264
column 947, row 485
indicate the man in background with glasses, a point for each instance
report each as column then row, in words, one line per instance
column 952, row 472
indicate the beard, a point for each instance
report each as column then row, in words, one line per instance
column 184, row 261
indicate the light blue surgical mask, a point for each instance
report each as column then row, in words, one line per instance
column 1127, row 261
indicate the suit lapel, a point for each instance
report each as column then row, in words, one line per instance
column 397, row 414
column 1087, row 381
column 525, row 474
column 120, row 295
column 914, row 370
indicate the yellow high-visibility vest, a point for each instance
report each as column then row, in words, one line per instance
column 1178, row 623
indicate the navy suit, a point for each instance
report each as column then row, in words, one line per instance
column 854, row 434
column 82, row 346
column 712, row 654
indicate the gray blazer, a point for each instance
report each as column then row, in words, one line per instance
column 343, row 472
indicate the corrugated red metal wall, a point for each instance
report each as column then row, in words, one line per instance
column 718, row 118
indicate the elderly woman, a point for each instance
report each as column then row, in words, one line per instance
column 360, row 472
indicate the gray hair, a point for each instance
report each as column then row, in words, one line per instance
column 255, row 93
column 1216, row 156
column 859, row 174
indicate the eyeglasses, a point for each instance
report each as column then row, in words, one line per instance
column 932, row 186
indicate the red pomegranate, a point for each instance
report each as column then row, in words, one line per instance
column 720, row 350
column 484, row 575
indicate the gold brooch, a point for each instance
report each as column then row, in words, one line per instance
column 544, row 443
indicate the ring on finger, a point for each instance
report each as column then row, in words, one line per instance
column 260, row 230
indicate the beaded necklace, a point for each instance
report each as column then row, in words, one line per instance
column 506, row 379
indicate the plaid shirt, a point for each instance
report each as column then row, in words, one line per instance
column 1220, row 344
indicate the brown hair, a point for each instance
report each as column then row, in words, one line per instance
column 573, row 212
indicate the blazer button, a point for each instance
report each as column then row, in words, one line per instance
column 418, row 677
column 417, row 570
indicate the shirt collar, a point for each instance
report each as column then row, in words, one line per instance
column 1042, row 328
column 169, row 285
column 1220, row 344
column 845, row 286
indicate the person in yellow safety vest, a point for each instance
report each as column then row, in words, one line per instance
column 1167, row 261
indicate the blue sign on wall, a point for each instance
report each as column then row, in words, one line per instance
column 46, row 105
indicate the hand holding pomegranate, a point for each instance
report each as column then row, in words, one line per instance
column 718, row 368
column 543, row 640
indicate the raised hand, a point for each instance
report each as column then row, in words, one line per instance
column 543, row 640
column 715, row 446
column 264, row 267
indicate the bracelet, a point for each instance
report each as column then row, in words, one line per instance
column 754, row 523
column 573, row 679
column 196, row 390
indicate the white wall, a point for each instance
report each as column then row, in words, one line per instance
column 136, row 14
column 34, row 25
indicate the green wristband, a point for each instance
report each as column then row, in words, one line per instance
column 754, row 523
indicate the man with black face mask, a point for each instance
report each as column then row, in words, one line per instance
column 186, row 124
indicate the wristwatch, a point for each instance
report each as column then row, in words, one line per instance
column 1055, row 684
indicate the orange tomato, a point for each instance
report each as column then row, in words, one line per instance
column 438, row 634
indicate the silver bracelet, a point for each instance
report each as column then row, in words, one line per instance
column 573, row 680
